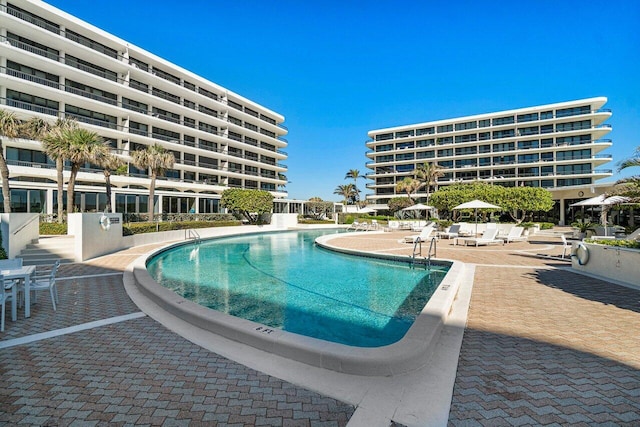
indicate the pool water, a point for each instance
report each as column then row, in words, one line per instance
column 282, row 280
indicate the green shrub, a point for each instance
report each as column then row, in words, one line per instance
column 632, row 244
column 314, row 221
column 3, row 253
column 152, row 227
column 47, row 228
column 546, row 225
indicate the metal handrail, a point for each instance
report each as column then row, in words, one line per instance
column 25, row 224
column 192, row 234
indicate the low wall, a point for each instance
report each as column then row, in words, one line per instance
column 610, row 263
column 18, row 230
column 95, row 236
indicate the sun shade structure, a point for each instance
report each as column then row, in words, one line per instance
column 418, row 207
column 475, row 205
column 605, row 202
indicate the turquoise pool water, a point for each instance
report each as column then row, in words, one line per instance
column 282, row 280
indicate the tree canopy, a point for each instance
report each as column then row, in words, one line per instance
column 249, row 203
column 518, row 202
column 319, row 209
column 398, row 203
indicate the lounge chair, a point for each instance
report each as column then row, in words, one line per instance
column 424, row 235
column 635, row 235
column 515, row 235
column 487, row 238
column 451, row 232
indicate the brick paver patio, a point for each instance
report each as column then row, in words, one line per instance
column 543, row 346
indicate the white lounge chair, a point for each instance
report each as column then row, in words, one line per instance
column 424, row 235
column 566, row 246
column 487, row 238
column 451, row 232
column 515, row 235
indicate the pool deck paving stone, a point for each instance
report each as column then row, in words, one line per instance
column 542, row 346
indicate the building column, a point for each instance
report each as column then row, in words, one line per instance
column 562, row 216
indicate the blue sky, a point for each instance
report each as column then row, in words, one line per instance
column 338, row 69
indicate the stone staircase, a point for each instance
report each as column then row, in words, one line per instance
column 48, row 250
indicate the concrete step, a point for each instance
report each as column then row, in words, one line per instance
column 48, row 250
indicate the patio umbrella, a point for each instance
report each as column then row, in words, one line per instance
column 605, row 202
column 366, row 210
column 475, row 205
column 418, row 207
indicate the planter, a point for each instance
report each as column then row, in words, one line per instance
column 609, row 263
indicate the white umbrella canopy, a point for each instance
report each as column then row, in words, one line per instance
column 418, row 207
column 475, row 205
column 602, row 200
column 605, row 202
column 366, row 210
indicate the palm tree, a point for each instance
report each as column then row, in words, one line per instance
column 409, row 186
column 354, row 174
column 109, row 163
column 347, row 191
column 630, row 186
column 428, row 174
column 84, row 146
column 10, row 128
column 35, row 128
column 158, row 160
column 55, row 146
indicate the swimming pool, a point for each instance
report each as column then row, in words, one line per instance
column 283, row 281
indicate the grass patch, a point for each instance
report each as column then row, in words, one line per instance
column 53, row 228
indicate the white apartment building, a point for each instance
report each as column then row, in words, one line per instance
column 55, row 65
column 555, row 146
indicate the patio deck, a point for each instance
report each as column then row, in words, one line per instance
column 542, row 346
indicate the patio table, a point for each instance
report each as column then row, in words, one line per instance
column 22, row 273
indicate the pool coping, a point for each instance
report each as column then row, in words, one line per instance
column 411, row 352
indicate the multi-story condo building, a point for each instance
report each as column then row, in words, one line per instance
column 54, row 65
column 553, row 146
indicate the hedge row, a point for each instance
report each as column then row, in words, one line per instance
column 152, row 227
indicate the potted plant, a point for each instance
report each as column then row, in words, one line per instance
column 582, row 226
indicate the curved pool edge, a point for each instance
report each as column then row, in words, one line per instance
column 411, row 352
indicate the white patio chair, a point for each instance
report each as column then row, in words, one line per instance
column 5, row 295
column 46, row 282
column 566, row 246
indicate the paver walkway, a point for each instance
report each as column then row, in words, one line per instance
column 543, row 346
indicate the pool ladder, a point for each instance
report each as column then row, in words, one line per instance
column 192, row 234
column 417, row 251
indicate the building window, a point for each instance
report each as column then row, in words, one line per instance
column 143, row 87
column 384, row 136
column 207, row 110
column 165, row 95
column 136, row 63
column 32, row 74
column 425, row 131
column 165, row 135
column 527, row 117
column 574, row 111
column 528, row 158
column 31, row 102
column 404, row 134
column 466, row 138
column 130, row 104
column 503, row 121
column 484, row 123
column 166, row 115
column 33, row 19
column 526, row 145
column 31, row 46
column 445, row 128
column 90, row 92
column 583, row 124
column 91, row 44
column 508, row 133
column 466, row 125
column 90, row 68
column 166, row 76
column 138, row 128
column 205, row 127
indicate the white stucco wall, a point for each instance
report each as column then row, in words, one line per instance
column 610, row 262
column 91, row 239
column 18, row 230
